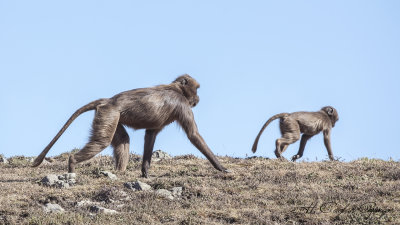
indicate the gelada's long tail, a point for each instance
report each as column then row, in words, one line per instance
column 88, row 107
column 280, row 115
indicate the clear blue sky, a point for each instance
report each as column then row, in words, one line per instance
column 253, row 59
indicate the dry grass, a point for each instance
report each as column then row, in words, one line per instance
column 258, row 191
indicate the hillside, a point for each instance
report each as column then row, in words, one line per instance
column 258, row 191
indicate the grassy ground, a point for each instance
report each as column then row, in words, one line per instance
column 258, row 191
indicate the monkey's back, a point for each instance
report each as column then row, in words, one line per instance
column 311, row 123
column 147, row 107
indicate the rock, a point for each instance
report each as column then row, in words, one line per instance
column 67, row 176
column 138, row 186
column 52, row 208
column 177, row 191
column 98, row 209
column 130, row 185
column 49, row 180
column 3, row 159
column 45, row 162
column 109, row 175
column 164, row 193
column 30, row 159
column 59, row 181
column 84, row 203
column 159, row 155
column 256, row 157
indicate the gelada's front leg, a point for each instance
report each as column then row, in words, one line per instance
column 200, row 144
column 303, row 143
column 327, row 142
column 188, row 124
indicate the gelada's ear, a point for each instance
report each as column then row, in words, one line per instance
column 330, row 111
column 184, row 81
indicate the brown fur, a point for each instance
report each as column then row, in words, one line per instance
column 308, row 123
column 146, row 108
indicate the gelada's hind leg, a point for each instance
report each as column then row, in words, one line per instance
column 290, row 133
column 120, row 144
column 284, row 147
column 282, row 144
column 149, row 140
column 103, row 129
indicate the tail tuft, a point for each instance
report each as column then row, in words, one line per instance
column 254, row 149
column 37, row 162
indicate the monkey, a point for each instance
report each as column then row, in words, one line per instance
column 309, row 123
column 145, row 108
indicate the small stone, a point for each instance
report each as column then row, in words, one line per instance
column 61, row 184
column 109, row 175
column 71, row 182
column 67, row 176
column 45, row 162
column 138, row 186
column 49, row 180
column 30, row 159
column 3, row 159
column 159, row 155
column 52, row 208
column 84, row 203
column 98, row 209
column 60, row 181
column 177, row 191
column 164, row 193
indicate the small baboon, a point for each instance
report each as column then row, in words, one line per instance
column 308, row 123
column 146, row 108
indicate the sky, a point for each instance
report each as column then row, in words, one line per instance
column 253, row 59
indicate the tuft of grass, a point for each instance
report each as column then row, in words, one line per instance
column 258, row 191
column 17, row 161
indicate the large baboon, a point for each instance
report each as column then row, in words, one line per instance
column 308, row 123
column 146, row 108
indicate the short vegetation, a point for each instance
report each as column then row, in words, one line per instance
column 258, row 191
